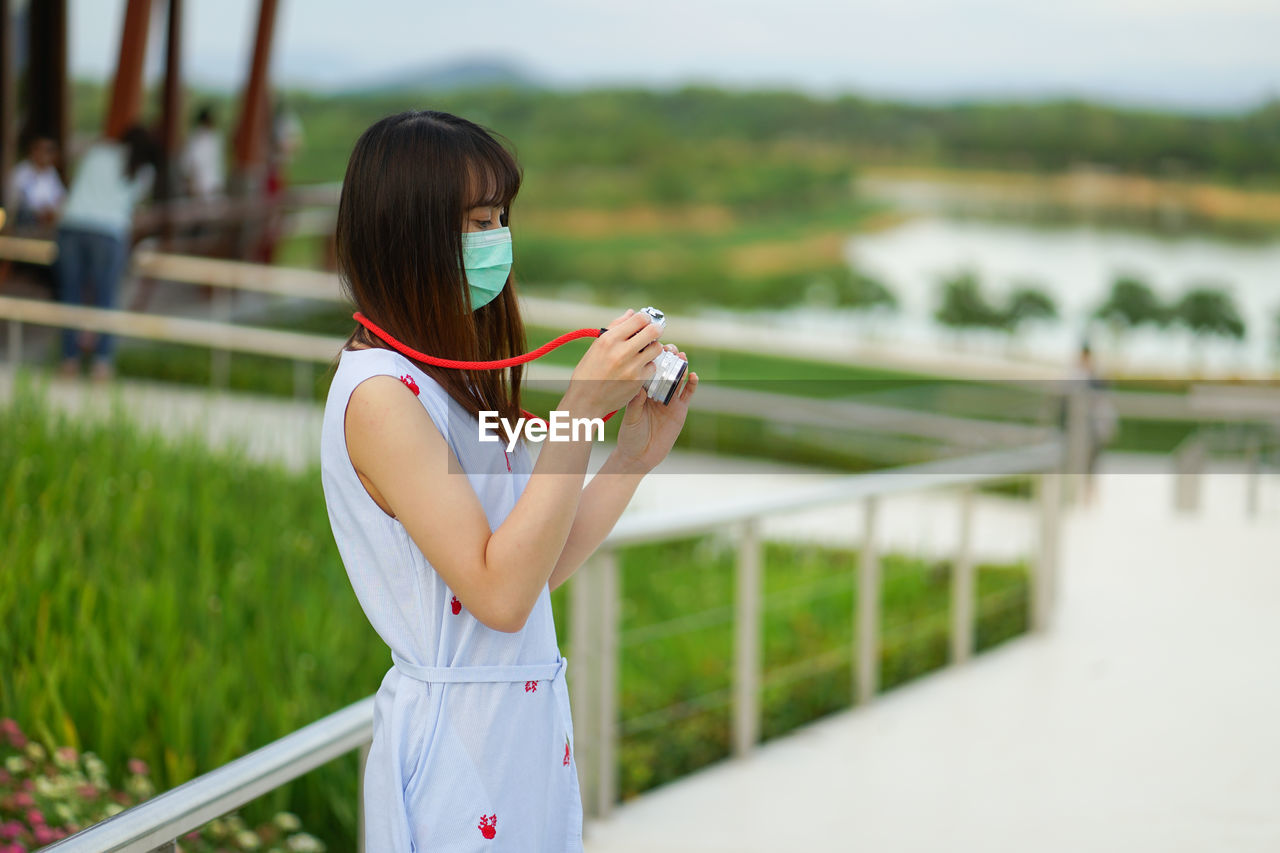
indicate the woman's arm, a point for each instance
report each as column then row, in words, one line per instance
column 648, row 431
column 409, row 470
column 600, row 507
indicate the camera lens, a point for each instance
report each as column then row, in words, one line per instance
column 670, row 370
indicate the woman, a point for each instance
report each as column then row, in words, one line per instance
column 472, row 743
column 93, row 236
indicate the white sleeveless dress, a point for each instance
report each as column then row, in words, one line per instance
column 472, row 735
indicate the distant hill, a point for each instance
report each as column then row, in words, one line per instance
column 452, row 76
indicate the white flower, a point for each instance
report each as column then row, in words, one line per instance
column 139, row 787
column 36, row 752
column 304, row 843
column 248, row 840
column 97, row 769
column 288, row 822
column 15, row 764
column 113, row 809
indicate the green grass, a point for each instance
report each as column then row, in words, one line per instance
column 185, row 607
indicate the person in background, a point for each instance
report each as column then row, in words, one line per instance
column 35, row 191
column 203, row 171
column 93, row 236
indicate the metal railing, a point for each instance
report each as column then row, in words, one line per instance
column 157, row 823
column 594, row 616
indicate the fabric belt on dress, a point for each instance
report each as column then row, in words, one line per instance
column 471, row 674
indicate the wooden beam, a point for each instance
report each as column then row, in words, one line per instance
column 251, row 132
column 27, row 250
column 8, row 94
column 125, row 108
column 171, row 111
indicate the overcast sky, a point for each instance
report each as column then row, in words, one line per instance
column 1215, row 54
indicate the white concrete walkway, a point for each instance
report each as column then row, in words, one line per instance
column 1148, row 719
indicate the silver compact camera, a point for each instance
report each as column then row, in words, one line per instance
column 670, row 367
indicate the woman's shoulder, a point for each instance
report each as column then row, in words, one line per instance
column 357, row 365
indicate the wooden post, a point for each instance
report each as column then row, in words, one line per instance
column 1044, row 571
column 126, row 91
column 251, row 131
column 607, row 571
column 962, row 585
column 582, row 689
column 171, row 117
column 47, row 102
column 746, row 644
column 867, row 652
column 8, row 95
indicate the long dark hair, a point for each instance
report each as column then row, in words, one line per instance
column 411, row 179
column 140, row 150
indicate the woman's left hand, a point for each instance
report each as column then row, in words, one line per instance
column 649, row 429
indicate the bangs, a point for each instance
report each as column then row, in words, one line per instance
column 493, row 178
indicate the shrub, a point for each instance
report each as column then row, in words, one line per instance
column 48, row 795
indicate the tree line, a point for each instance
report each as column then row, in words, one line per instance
column 1205, row 309
column 669, row 131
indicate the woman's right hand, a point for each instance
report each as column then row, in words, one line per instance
column 615, row 366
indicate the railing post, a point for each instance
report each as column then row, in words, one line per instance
column 1253, row 478
column 962, row 584
column 1188, row 465
column 746, row 640
column 1044, row 571
column 1079, row 434
column 867, row 652
column 360, row 830
column 220, row 359
column 15, row 342
column 607, row 570
column 301, row 379
column 582, row 687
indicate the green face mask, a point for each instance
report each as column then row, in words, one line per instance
column 486, row 261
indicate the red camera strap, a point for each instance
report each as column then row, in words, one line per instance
column 479, row 365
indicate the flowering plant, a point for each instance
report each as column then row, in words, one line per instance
column 47, row 796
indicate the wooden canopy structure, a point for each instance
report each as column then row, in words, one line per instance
column 35, row 92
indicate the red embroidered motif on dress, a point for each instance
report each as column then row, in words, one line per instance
column 531, row 687
column 456, row 605
column 488, row 826
column 508, row 458
column 566, row 755
column 410, row 384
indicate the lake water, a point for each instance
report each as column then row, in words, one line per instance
column 1076, row 265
